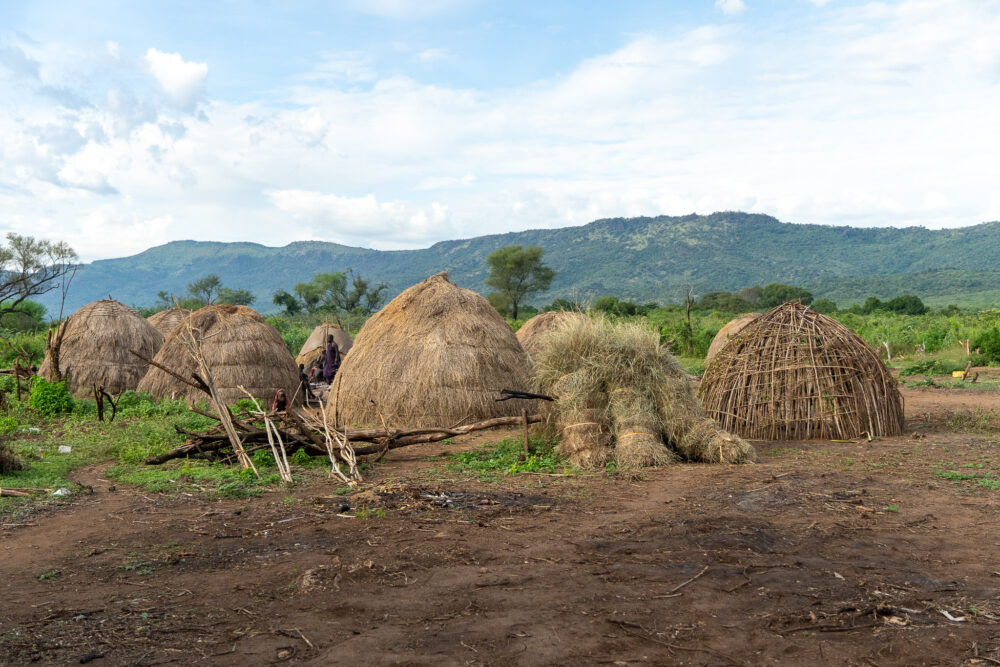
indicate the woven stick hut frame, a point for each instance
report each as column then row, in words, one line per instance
column 795, row 374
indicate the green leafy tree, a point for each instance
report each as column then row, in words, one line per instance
column 30, row 267
column 517, row 273
column 346, row 292
column 824, row 306
column 776, row 294
column 291, row 305
column 235, row 297
column 907, row 304
column 205, row 289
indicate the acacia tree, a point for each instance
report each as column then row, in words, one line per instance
column 516, row 273
column 32, row 267
column 335, row 293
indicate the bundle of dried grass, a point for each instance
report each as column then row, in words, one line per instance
column 95, row 348
column 532, row 333
column 436, row 355
column 795, row 374
column 166, row 320
column 239, row 347
column 616, row 380
column 727, row 332
column 315, row 346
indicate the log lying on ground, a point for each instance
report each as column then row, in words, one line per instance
column 296, row 434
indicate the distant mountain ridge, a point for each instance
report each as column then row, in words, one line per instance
column 640, row 259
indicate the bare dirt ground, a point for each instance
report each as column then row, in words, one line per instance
column 824, row 552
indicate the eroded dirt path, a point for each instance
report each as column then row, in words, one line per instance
column 824, row 553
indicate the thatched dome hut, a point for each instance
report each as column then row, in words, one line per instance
column 166, row 320
column 436, row 355
column 240, row 348
column 795, row 374
column 532, row 333
column 728, row 331
column 95, row 348
column 315, row 346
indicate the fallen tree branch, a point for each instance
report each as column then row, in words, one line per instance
column 297, row 434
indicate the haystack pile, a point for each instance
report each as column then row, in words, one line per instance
column 729, row 331
column 795, row 374
column 240, row 348
column 436, row 355
column 315, row 346
column 622, row 396
column 532, row 333
column 95, row 348
column 165, row 320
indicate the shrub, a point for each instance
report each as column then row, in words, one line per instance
column 931, row 367
column 50, row 398
column 988, row 343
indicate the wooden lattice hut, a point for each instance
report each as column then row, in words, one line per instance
column 728, row 331
column 795, row 374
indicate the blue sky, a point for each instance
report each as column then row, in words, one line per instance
column 396, row 124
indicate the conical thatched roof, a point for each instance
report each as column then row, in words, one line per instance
column 436, row 355
column 532, row 333
column 315, row 345
column 731, row 328
column 240, row 348
column 95, row 348
column 796, row 374
column 166, row 320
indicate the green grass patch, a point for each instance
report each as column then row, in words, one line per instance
column 980, row 420
column 507, row 457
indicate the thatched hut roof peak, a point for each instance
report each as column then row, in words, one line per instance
column 437, row 354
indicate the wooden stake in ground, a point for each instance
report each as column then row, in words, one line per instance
column 194, row 348
column 524, row 416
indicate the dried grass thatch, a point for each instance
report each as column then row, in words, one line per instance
column 315, row 346
column 532, row 333
column 240, row 349
column 622, row 395
column 727, row 332
column 795, row 374
column 95, row 348
column 436, row 355
column 166, row 320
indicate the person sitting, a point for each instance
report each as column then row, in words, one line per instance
column 331, row 361
column 280, row 403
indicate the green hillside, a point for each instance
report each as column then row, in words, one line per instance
column 641, row 259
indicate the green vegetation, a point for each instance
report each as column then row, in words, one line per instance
column 636, row 259
column 333, row 293
column 50, row 398
column 507, row 458
column 516, row 274
column 142, row 428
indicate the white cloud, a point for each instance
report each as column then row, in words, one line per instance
column 731, row 7
column 429, row 56
column 182, row 81
column 405, row 9
column 364, row 219
column 352, row 66
column 875, row 117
